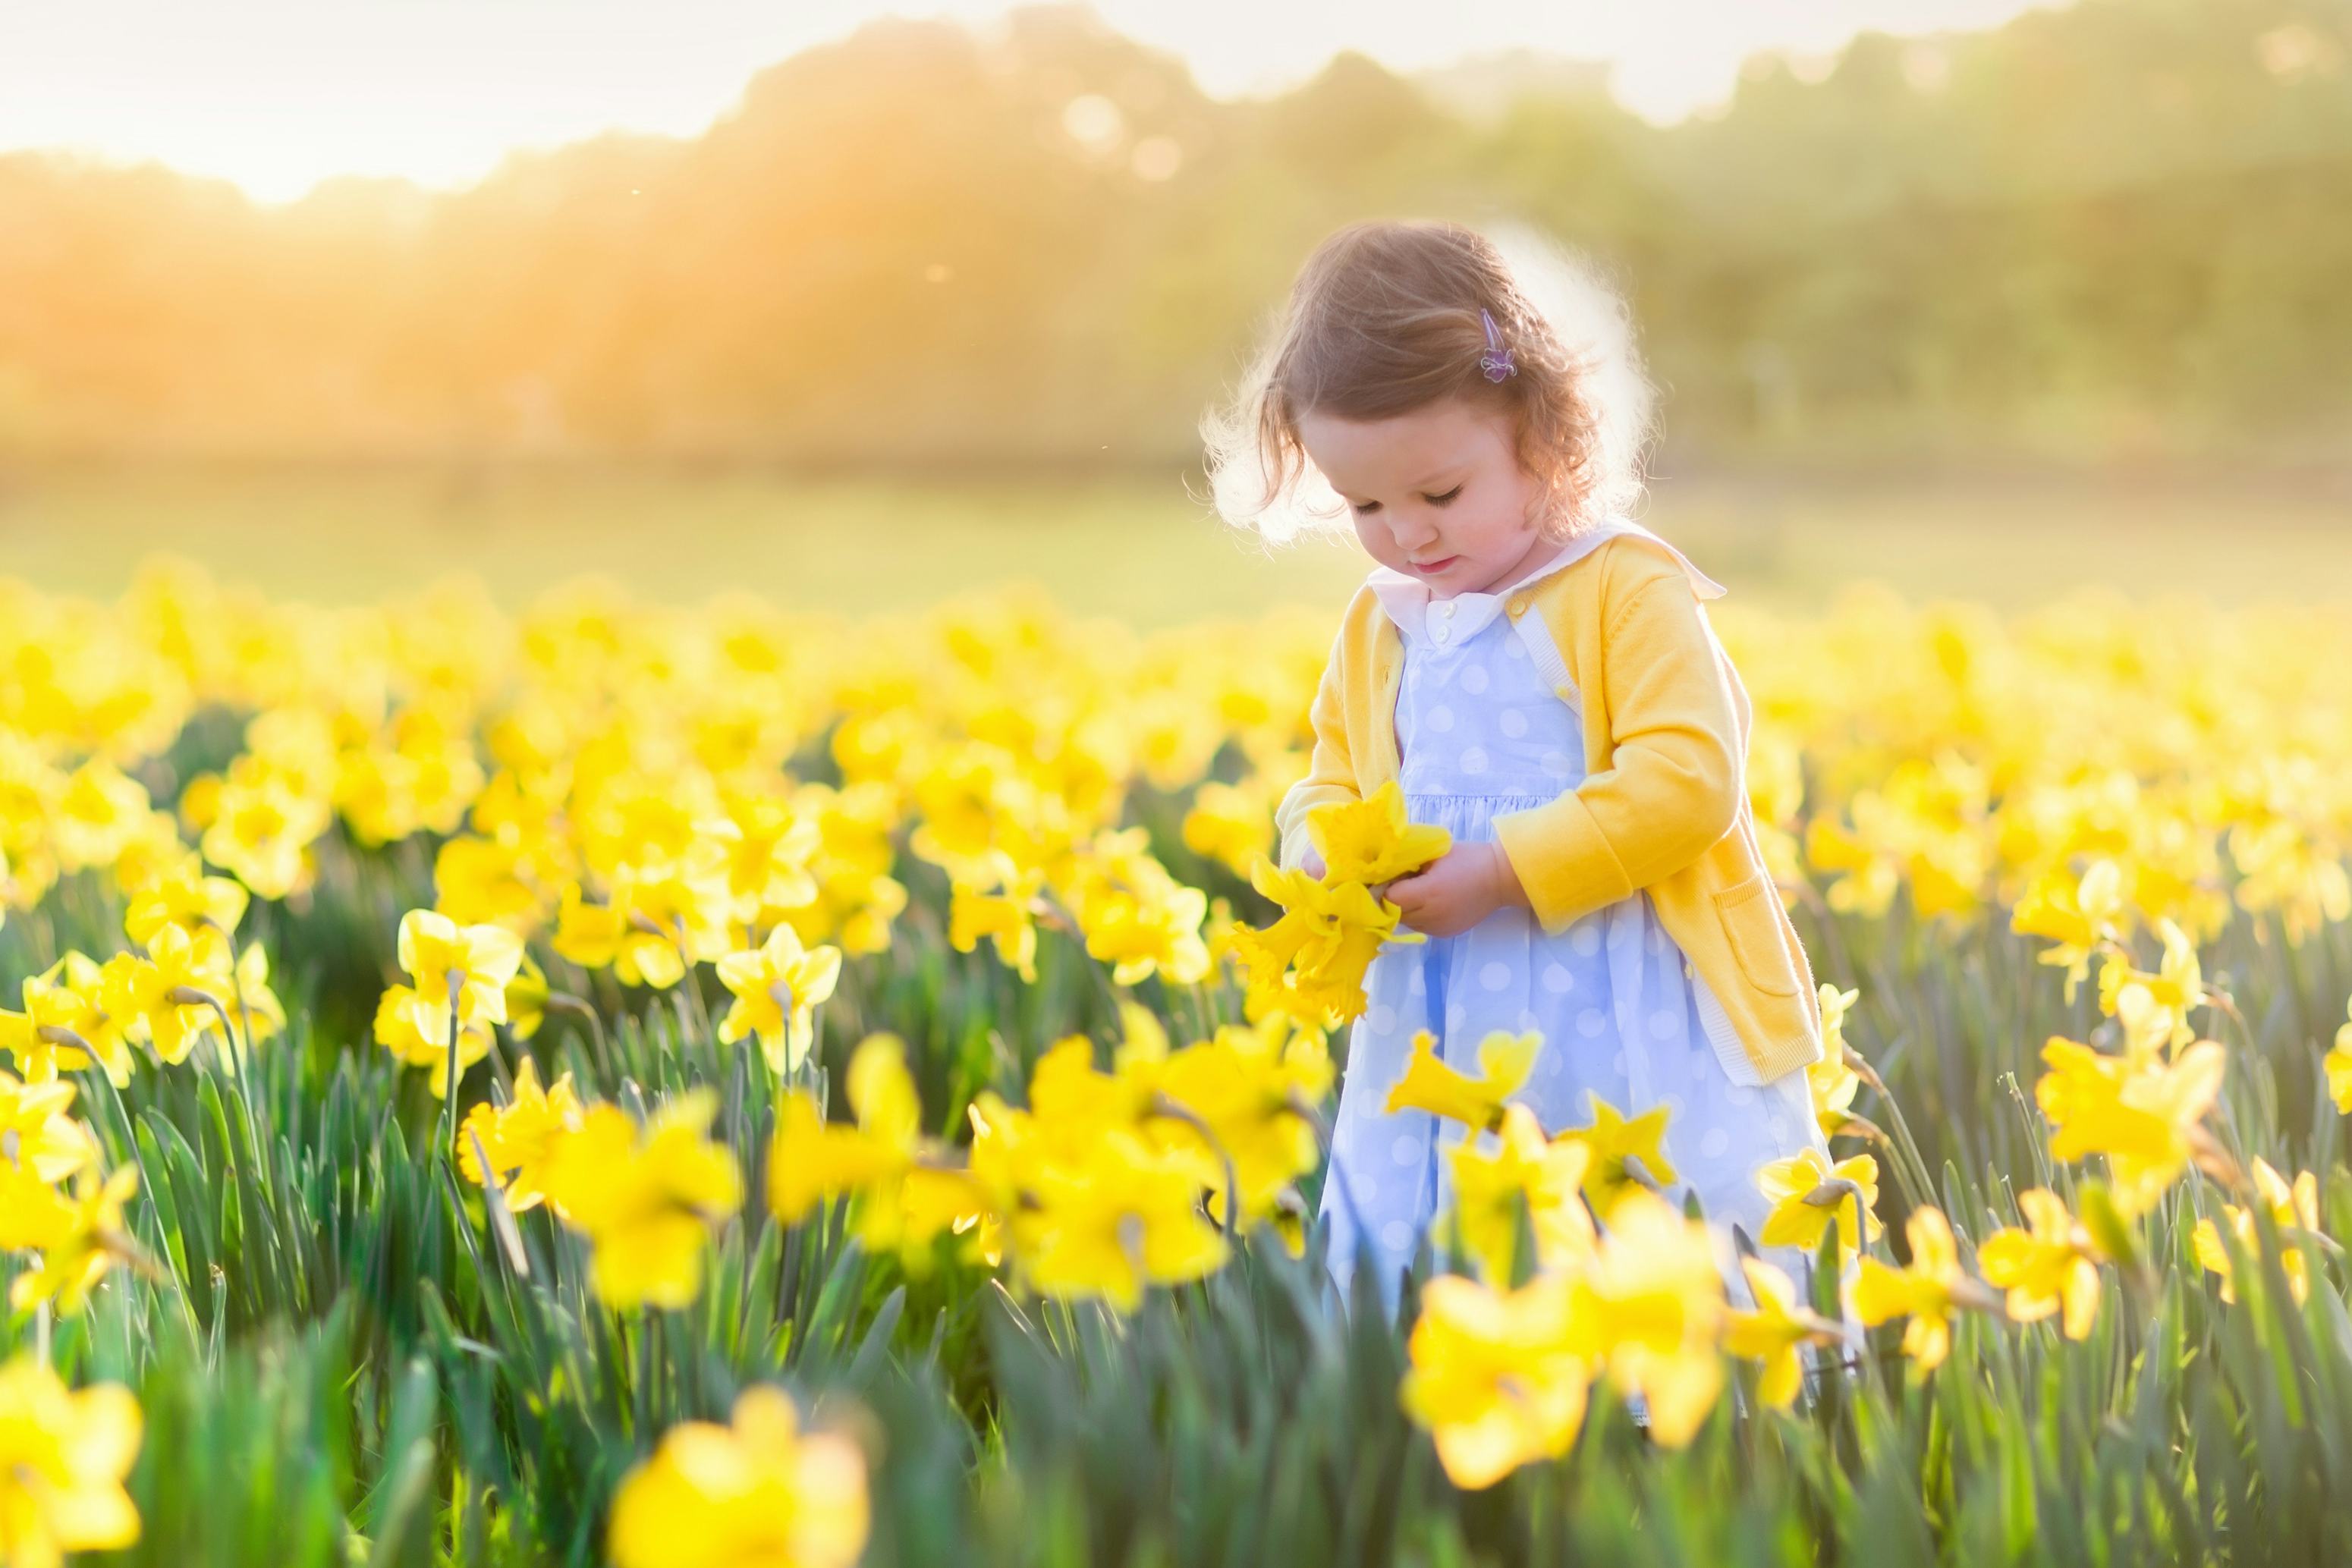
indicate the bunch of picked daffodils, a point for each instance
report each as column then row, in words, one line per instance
column 1309, row 964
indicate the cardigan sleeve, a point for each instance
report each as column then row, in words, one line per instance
column 1674, row 781
column 1330, row 768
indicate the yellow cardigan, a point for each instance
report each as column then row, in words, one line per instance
column 1664, row 805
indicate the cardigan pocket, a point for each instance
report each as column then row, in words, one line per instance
column 1752, row 919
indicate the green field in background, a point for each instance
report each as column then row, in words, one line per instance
column 1137, row 547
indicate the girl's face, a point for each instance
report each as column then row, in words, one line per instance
column 1437, row 494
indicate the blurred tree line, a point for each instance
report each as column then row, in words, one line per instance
column 2118, row 228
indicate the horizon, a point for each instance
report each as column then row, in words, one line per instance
column 126, row 83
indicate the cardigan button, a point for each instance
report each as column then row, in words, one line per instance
column 1562, row 692
column 1686, row 971
column 1518, row 605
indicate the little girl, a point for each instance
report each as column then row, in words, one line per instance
column 1538, row 673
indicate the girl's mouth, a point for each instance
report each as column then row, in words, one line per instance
column 1432, row 567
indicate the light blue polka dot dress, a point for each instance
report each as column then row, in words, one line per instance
column 1482, row 731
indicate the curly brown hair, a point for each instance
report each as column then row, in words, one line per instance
column 1383, row 318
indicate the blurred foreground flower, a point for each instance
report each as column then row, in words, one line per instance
column 647, row 1199
column 759, row 1491
column 63, row 1456
column 1495, row 1375
column 907, row 1190
column 2291, row 1207
column 2144, row 1114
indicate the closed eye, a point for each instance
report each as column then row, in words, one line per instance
column 1369, row 508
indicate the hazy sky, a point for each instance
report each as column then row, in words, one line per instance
column 276, row 94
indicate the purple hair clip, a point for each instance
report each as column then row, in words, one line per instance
column 1496, row 360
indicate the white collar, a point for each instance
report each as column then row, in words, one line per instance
column 1407, row 598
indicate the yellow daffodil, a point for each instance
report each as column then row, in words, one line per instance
column 2338, row 1065
column 1494, row 1375
column 759, row 1490
column 2144, row 1116
column 646, row 1199
column 1232, row 824
column 1809, row 1195
column 1774, row 1332
column 1006, row 917
column 397, row 1031
column 1329, row 932
column 1145, row 923
column 1368, row 841
column 1093, row 1205
column 1627, row 1156
column 2154, row 1009
column 460, row 971
column 86, row 1239
column 206, row 907
column 2078, row 916
column 527, row 997
column 768, row 847
column 1128, row 1216
column 1650, row 1305
column 1249, row 1093
column 66, row 1024
column 63, row 1459
column 2048, row 1267
column 491, row 882
column 1924, row 1292
column 1832, row 1084
column 777, row 988
column 520, row 1137
column 37, row 1134
column 260, row 1016
column 660, row 918
column 907, row 1191
column 2290, row 1207
column 97, row 814
column 1429, row 1085
column 170, row 997
column 1525, row 1169
column 260, row 830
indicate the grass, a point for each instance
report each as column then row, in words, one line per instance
column 1134, row 547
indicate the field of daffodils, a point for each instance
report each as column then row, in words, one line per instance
column 692, row 1087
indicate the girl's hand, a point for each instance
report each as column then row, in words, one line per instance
column 1457, row 890
column 1311, row 863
